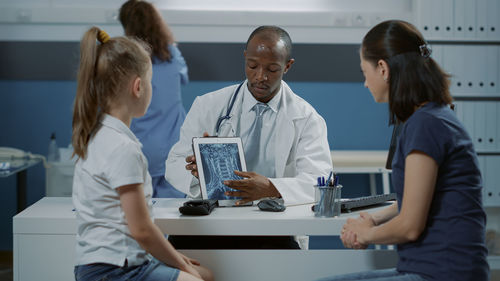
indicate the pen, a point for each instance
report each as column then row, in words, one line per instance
column 329, row 178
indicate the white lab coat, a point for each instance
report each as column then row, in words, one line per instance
column 302, row 150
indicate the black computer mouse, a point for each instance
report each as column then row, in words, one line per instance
column 271, row 205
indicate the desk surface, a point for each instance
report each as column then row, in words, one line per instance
column 55, row 215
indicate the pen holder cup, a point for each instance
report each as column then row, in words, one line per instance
column 327, row 200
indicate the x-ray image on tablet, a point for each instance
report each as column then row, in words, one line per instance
column 217, row 159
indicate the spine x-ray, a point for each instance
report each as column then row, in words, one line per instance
column 219, row 162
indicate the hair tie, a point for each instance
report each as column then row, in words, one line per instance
column 425, row 50
column 102, row 36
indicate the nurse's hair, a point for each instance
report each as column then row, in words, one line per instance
column 414, row 76
column 141, row 19
column 270, row 32
column 105, row 70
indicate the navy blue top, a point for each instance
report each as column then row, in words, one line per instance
column 159, row 129
column 452, row 246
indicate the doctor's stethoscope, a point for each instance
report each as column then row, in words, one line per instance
column 228, row 115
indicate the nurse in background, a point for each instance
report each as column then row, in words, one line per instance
column 158, row 130
column 438, row 221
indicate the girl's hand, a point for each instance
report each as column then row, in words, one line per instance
column 189, row 260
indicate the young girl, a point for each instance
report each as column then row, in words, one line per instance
column 438, row 221
column 112, row 186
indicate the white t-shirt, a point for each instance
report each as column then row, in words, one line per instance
column 114, row 159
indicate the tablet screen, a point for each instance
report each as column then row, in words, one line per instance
column 217, row 158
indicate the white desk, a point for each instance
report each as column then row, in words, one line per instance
column 44, row 242
column 370, row 162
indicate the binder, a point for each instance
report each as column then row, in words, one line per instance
column 448, row 53
column 437, row 22
column 447, row 18
column 470, row 19
column 468, row 118
column 437, row 54
column 482, row 19
column 493, row 20
column 459, row 112
column 484, row 175
column 479, row 123
column 491, row 180
column 460, row 68
column 498, row 129
column 473, row 69
column 425, row 18
column 491, row 127
column 497, row 82
column 459, row 18
column 490, row 60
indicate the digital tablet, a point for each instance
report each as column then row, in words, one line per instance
column 217, row 159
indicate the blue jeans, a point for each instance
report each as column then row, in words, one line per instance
column 153, row 270
column 376, row 275
column 163, row 189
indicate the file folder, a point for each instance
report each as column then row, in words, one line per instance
column 424, row 9
column 493, row 19
column 479, row 129
column 447, row 18
column 482, row 19
column 498, row 129
column 491, row 64
column 436, row 10
column 459, row 18
column 470, row 19
column 491, row 127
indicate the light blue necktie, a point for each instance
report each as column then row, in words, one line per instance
column 252, row 146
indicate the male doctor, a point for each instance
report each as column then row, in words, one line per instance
column 285, row 153
column 284, row 138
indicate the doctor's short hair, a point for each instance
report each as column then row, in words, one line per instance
column 267, row 31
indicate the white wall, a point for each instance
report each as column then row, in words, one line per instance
column 312, row 21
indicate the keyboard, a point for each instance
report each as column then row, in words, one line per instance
column 349, row 204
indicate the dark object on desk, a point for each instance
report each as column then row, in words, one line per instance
column 271, row 205
column 198, row 207
column 365, row 201
column 205, row 242
column 349, row 204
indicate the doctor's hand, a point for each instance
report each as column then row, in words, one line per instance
column 252, row 187
column 191, row 162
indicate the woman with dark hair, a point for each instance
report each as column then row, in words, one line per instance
column 437, row 222
column 159, row 129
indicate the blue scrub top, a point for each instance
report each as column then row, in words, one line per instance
column 158, row 130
